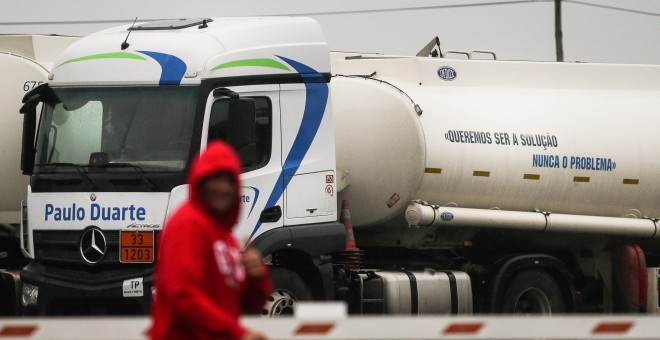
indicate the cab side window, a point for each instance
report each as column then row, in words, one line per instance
column 251, row 139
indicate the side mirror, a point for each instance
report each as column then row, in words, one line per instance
column 39, row 94
column 242, row 129
column 29, row 111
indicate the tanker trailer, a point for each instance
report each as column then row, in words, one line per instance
column 25, row 61
column 528, row 176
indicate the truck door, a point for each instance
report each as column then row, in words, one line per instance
column 254, row 131
column 308, row 154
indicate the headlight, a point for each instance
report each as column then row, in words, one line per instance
column 30, row 294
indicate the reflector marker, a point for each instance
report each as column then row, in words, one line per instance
column 314, row 328
column 581, row 179
column 433, row 170
column 633, row 181
column 17, row 331
column 478, row 173
column 532, row 176
column 463, row 328
column 613, row 327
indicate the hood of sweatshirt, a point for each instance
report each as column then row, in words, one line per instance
column 217, row 157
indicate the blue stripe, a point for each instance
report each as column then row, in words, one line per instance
column 256, row 198
column 316, row 100
column 172, row 68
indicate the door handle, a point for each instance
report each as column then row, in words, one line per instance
column 272, row 214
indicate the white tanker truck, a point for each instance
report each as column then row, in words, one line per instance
column 25, row 61
column 473, row 185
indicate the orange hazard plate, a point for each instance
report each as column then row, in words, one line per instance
column 136, row 246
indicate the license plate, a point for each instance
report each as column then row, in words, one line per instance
column 136, row 246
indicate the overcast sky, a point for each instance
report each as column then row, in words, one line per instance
column 612, row 31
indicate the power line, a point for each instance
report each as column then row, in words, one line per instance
column 620, row 9
column 480, row 4
column 365, row 11
column 398, row 9
column 80, row 22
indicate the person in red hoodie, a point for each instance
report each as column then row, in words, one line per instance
column 203, row 280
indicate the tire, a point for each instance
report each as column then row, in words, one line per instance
column 533, row 291
column 288, row 289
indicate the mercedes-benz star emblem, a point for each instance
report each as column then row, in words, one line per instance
column 93, row 245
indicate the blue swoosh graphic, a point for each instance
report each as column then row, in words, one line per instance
column 256, row 198
column 316, row 100
column 172, row 67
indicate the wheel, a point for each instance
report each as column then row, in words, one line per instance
column 533, row 291
column 288, row 289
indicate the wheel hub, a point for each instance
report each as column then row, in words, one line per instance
column 280, row 303
column 532, row 301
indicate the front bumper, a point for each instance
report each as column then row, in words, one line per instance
column 129, row 295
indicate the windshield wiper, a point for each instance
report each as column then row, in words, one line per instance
column 81, row 171
column 118, row 165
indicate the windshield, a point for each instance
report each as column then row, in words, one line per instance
column 146, row 127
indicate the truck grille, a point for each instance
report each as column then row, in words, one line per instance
column 97, row 274
column 58, row 251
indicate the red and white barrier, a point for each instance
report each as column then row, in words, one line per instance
column 392, row 327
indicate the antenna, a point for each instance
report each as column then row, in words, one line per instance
column 203, row 25
column 125, row 44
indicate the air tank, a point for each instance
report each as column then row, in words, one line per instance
column 577, row 139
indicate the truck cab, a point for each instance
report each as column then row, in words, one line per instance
column 124, row 113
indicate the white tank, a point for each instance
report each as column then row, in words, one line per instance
column 24, row 64
column 522, row 136
column 380, row 143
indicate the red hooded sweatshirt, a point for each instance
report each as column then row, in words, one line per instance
column 200, row 281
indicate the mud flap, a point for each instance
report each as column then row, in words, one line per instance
column 629, row 279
